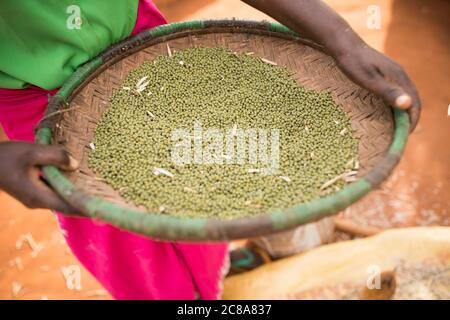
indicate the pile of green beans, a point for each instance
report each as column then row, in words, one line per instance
column 220, row 89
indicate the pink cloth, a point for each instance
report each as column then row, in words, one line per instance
column 129, row 266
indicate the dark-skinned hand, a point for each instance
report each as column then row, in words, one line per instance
column 20, row 175
column 382, row 76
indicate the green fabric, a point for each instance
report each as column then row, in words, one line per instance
column 42, row 45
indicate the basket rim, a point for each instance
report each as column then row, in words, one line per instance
column 164, row 227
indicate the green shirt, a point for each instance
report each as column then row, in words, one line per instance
column 42, row 42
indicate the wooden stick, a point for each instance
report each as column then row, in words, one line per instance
column 59, row 112
column 355, row 229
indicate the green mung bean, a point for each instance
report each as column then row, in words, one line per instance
column 227, row 91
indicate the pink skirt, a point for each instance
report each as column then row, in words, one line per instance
column 129, row 266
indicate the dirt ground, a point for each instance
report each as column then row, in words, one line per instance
column 35, row 263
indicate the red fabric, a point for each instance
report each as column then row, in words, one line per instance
column 148, row 17
column 26, row 107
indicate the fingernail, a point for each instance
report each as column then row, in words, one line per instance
column 403, row 102
column 73, row 163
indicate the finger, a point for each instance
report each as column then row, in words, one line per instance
column 49, row 155
column 414, row 112
column 37, row 194
column 70, row 209
column 393, row 94
column 403, row 101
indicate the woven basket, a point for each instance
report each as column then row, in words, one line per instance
column 73, row 112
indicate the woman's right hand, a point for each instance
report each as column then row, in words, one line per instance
column 20, row 175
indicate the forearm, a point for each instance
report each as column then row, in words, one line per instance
column 314, row 20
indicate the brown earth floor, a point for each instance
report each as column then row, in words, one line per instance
column 414, row 32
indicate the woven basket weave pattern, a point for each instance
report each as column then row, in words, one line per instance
column 370, row 118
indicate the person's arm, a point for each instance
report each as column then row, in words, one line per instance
column 19, row 174
column 367, row 67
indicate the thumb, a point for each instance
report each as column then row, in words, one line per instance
column 391, row 93
column 50, row 155
column 403, row 101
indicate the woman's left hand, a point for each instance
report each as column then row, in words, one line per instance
column 382, row 76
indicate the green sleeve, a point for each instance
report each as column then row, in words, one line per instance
column 43, row 42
